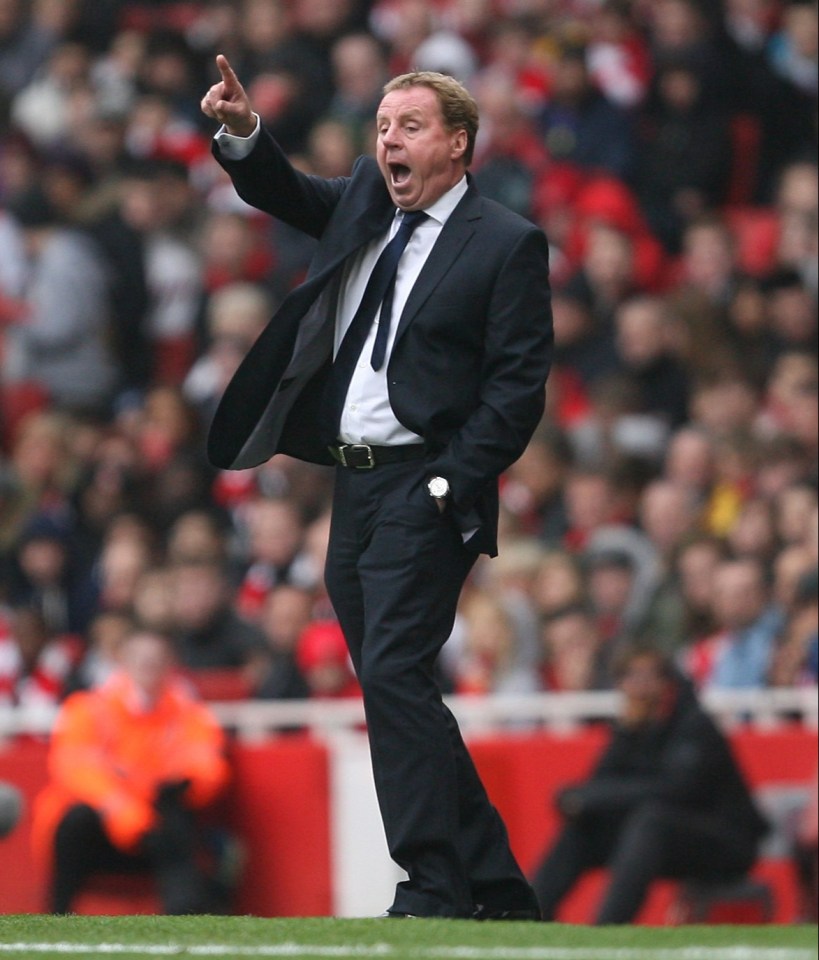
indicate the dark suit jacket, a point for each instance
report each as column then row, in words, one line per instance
column 472, row 348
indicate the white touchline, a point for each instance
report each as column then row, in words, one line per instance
column 91, row 950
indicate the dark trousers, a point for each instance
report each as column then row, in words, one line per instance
column 82, row 848
column 395, row 569
column 654, row 841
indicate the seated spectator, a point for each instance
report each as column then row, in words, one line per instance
column 324, row 661
column 793, row 382
column 207, row 631
column 740, row 655
column 276, row 534
column 34, row 664
column 668, row 514
column 709, row 260
column 793, row 51
column 689, row 461
column 797, row 204
column 126, row 555
column 491, row 660
column 285, row 615
column 736, row 458
column 685, row 152
column 131, row 764
column 580, row 125
column 590, row 504
column 790, row 308
column 618, row 56
column 723, row 403
column 795, row 505
column 607, row 274
column 533, row 486
column 753, row 534
column 666, row 800
column 236, row 315
column 645, row 354
column 198, row 536
column 581, row 348
column 102, row 655
column 558, row 583
column 153, row 601
column 46, row 577
column 512, row 154
column 63, row 342
column 572, row 652
column 695, row 565
column 796, row 658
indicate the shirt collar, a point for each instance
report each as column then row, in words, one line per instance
column 443, row 208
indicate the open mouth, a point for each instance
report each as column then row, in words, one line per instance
column 399, row 173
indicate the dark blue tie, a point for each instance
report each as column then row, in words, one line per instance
column 379, row 292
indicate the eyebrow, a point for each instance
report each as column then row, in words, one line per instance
column 404, row 113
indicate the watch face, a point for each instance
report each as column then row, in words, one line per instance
column 438, row 487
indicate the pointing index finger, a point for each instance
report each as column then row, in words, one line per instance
column 228, row 76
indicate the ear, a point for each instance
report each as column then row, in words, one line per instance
column 459, row 144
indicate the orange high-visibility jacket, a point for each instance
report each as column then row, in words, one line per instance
column 110, row 751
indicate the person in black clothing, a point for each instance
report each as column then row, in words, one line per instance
column 666, row 800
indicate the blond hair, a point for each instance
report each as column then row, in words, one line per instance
column 458, row 107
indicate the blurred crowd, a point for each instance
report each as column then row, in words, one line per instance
column 668, row 148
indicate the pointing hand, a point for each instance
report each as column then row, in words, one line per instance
column 228, row 103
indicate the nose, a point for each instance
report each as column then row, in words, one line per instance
column 390, row 136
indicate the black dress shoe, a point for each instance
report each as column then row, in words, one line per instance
column 488, row 913
column 392, row 915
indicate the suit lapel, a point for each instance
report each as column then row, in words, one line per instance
column 456, row 233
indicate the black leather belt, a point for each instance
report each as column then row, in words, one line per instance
column 361, row 456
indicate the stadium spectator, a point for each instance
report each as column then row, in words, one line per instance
column 275, row 533
column 685, row 151
column 46, row 578
column 324, row 661
column 236, row 315
column 101, row 658
column 644, row 349
column 61, row 343
column 286, row 614
column 666, row 799
column 740, row 654
column 491, row 658
column 580, row 125
column 558, row 582
column 35, row 663
column 24, row 47
column 132, row 763
column 208, row 632
column 573, row 652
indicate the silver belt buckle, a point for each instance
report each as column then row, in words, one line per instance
column 357, row 447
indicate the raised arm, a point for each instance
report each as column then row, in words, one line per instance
column 262, row 174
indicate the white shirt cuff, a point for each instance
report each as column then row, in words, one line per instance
column 237, row 148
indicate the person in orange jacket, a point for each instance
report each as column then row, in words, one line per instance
column 130, row 765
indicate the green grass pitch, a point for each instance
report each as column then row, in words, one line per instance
column 234, row 938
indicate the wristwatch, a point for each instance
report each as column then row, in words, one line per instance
column 438, row 488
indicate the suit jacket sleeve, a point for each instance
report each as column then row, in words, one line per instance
column 269, row 182
column 516, row 362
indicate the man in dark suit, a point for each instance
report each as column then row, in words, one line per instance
column 415, row 356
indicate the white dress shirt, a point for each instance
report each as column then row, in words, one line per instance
column 368, row 416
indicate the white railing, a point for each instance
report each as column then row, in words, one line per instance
column 477, row 715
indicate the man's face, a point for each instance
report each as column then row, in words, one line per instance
column 644, row 689
column 739, row 595
column 419, row 158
